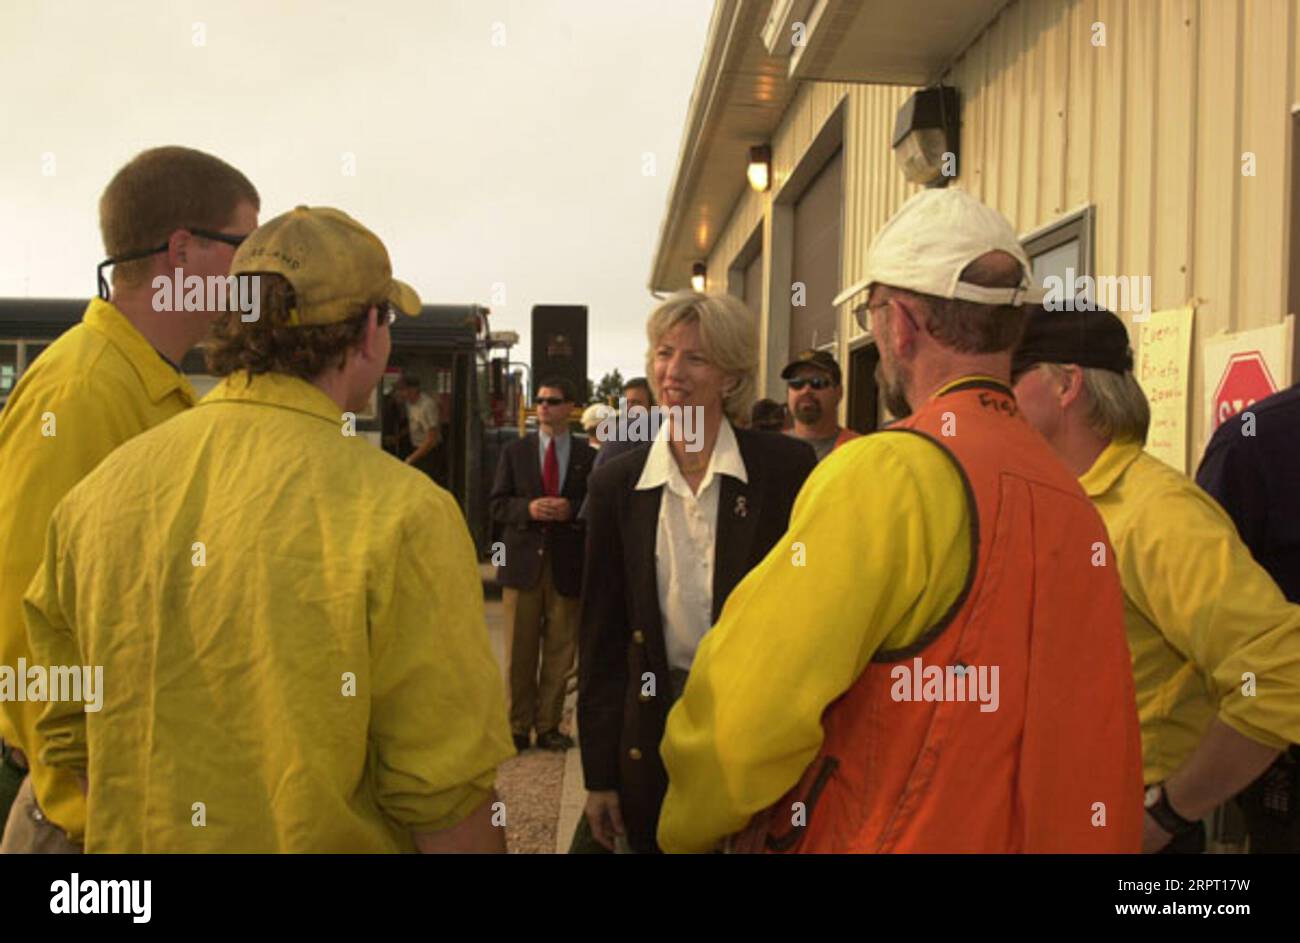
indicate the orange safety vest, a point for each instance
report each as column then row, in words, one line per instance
column 846, row 435
column 912, row 760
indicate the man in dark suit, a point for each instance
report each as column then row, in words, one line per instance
column 627, row 683
column 637, row 400
column 541, row 482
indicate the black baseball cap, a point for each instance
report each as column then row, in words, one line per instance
column 821, row 359
column 1095, row 339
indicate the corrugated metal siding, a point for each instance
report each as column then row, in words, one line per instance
column 1150, row 129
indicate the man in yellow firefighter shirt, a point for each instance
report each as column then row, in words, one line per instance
column 290, row 621
column 171, row 213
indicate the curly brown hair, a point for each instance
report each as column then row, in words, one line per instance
column 271, row 344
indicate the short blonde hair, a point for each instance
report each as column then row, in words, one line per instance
column 729, row 334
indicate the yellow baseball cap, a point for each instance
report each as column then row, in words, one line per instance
column 335, row 265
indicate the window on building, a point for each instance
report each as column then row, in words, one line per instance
column 8, row 367
column 1063, row 249
column 816, row 258
column 863, row 393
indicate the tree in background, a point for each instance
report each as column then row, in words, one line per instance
column 609, row 389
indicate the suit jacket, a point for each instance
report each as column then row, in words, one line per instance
column 519, row 481
column 613, row 449
column 622, row 636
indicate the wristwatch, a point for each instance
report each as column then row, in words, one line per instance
column 1158, row 807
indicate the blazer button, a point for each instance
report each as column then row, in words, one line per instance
column 638, row 636
column 634, row 753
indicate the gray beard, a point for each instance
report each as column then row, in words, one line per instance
column 893, row 392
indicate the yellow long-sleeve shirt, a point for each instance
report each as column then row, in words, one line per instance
column 877, row 551
column 291, row 629
column 94, row 388
column 1209, row 631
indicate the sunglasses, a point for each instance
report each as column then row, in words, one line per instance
column 817, row 383
column 228, row 239
column 550, row 400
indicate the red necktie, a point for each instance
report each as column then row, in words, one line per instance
column 551, row 472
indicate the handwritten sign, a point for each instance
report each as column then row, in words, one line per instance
column 1164, row 372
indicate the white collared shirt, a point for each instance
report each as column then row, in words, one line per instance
column 422, row 416
column 684, row 542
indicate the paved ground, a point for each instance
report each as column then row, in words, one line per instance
column 542, row 791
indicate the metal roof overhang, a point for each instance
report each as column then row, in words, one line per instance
column 889, row 42
column 740, row 94
column 742, row 91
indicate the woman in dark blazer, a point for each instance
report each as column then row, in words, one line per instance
column 672, row 527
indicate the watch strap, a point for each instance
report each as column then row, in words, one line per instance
column 1167, row 818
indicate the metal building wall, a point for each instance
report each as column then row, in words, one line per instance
column 1150, row 129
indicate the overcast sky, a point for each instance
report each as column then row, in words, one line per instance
column 520, row 146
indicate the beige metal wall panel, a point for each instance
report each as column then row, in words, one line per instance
column 995, row 115
column 1175, row 147
column 747, row 216
column 1054, row 39
column 1148, row 129
column 808, row 112
column 1295, row 56
column 1034, row 166
column 873, row 187
column 1265, row 128
column 1109, row 149
column 1141, row 51
column 1218, row 167
column 1081, row 98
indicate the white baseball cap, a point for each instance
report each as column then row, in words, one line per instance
column 595, row 414
column 932, row 237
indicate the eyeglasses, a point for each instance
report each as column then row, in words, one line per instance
column 817, row 383
column 550, row 400
column 387, row 313
column 862, row 313
column 227, row 238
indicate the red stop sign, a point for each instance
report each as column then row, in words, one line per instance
column 1246, row 380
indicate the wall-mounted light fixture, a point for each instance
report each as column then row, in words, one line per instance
column 699, row 276
column 927, row 136
column 760, row 167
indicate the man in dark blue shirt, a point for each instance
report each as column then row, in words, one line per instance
column 1252, row 468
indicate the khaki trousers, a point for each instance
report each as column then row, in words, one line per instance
column 539, row 620
column 29, row 832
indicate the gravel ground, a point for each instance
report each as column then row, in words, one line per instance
column 530, row 786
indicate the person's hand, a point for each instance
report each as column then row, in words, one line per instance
column 1153, row 836
column 604, row 816
column 561, row 510
column 539, row 509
